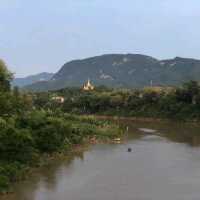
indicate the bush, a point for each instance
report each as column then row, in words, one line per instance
column 15, row 144
column 4, row 183
column 33, row 120
column 52, row 136
column 12, row 170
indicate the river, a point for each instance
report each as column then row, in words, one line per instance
column 164, row 165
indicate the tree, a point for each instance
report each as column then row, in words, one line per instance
column 16, row 92
column 192, row 87
column 6, row 105
column 192, row 90
column 5, row 77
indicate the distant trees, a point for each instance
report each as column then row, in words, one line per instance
column 181, row 102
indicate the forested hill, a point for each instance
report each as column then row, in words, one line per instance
column 123, row 70
column 20, row 82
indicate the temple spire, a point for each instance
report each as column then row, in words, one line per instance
column 88, row 86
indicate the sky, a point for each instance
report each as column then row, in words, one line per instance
column 41, row 35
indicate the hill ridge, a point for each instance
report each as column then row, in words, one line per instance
column 123, row 70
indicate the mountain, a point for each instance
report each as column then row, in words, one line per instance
column 21, row 82
column 123, row 70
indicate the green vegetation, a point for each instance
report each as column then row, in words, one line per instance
column 181, row 103
column 31, row 129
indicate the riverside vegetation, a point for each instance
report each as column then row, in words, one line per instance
column 29, row 132
column 181, row 103
column 33, row 125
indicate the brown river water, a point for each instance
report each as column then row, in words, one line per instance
column 164, row 165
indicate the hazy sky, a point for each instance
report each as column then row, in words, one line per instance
column 41, row 35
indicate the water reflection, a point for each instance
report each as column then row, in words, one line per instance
column 47, row 177
column 162, row 165
column 188, row 133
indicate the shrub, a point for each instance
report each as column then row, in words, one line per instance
column 15, row 144
column 4, row 183
column 52, row 136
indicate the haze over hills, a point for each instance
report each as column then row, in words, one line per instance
column 21, row 82
column 123, row 70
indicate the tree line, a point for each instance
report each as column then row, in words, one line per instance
column 181, row 103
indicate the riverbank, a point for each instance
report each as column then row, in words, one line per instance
column 77, row 132
column 139, row 119
column 84, row 130
column 145, row 119
column 85, row 175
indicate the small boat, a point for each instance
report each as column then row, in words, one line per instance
column 129, row 149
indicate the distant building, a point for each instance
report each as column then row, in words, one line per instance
column 58, row 99
column 88, row 86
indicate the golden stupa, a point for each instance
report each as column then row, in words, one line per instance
column 88, row 86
